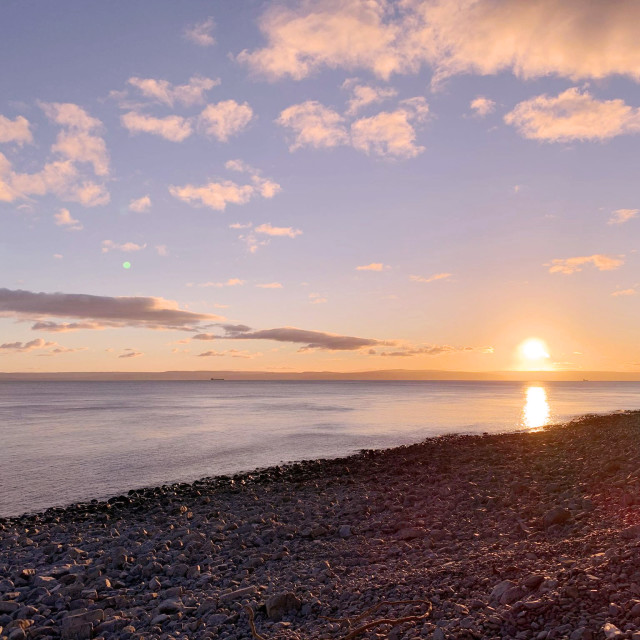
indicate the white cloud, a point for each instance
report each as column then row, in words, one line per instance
column 163, row 91
column 63, row 219
column 531, row 38
column 78, row 142
column 620, row 216
column 573, row 265
column 174, row 128
column 433, row 278
column 363, row 95
column 217, row 194
column 388, row 133
column 225, row 119
column 573, row 115
column 139, row 205
column 240, row 225
column 482, row 106
column 200, row 33
column 288, row 232
column 314, row 125
column 17, row 130
column 391, row 133
column 126, row 247
column 374, row 266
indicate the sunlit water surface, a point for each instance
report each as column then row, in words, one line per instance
column 62, row 442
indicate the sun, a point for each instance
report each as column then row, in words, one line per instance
column 534, row 349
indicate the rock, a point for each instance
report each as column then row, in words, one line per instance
column 631, row 533
column 533, row 581
column 238, row 594
column 635, row 610
column 8, row 606
column 170, row 606
column 409, row 533
column 280, row 604
column 611, row 631
column 500, row 589
column 557, row 515
column 344, row 531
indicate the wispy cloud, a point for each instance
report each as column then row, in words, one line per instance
column 139, row 205
column 317, row 298
column 482, row 106
column 270, row 285
column 363, row 95
column 573, row 265
column 407, row 351
column 131, row 353
column 173, row 128
column 127, row 247
column 373, row 266
column 269, row 230
column 573, row 115
column 232, row 353
column 231, row 282
column 166, row 93
column 433, row 278
column 620, row 216
column 625, row 292
column 63, row 219
column 25, row 347
column 201, row 33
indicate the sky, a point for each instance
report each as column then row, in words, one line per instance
column 319, row 185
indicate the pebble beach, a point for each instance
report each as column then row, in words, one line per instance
column 520, row 535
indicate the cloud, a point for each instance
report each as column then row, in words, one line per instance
column 270, row 285
column 531, row 38
column 625, row 292
column 286, row 232
column 225, row 119
column 216, row 195
column 388, row 133
column 317, row 298
column 161, row 250
column 63, row 219
column 374, row 266
column 391, row 133
column 166, row 93
column 482, row 106
column 78, row 141
column 131, row 353
column 76, row 144
column 310, row 339
column 173, row 128
column 153, row 313
column 233, row 353
column 620, row 216
column 573, row 115
column 64, row 327
column 17, row 130
column 313, row 125
column 200, row 33
column 239, row 225
column 127, row 247
column 266, row 188
column 363, row 95
column 430, row 350
column 25, row 347
column 433, row 278
column 573, row 265
column 140, row 205
column 231, row 282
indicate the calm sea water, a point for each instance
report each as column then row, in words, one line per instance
column 63, row 442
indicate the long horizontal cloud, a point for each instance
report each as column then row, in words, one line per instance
column 573, row 265
column 532, row 38
column 431, row 350
column 154, row 313
column 310, row 339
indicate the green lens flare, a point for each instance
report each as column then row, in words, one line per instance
column 126, row 265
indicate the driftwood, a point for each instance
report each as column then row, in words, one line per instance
column 350, row 622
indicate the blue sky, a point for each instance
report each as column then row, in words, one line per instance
column 432, row 183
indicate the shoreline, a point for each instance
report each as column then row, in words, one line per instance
column 513, row 535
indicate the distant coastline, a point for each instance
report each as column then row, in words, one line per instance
column 382, row 375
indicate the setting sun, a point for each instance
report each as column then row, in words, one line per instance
column 534, row 349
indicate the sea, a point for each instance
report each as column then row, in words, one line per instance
column 66, row 442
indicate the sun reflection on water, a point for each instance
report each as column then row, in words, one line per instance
column 535, row 413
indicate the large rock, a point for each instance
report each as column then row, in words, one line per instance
column 557, row 515
column 500, row 589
